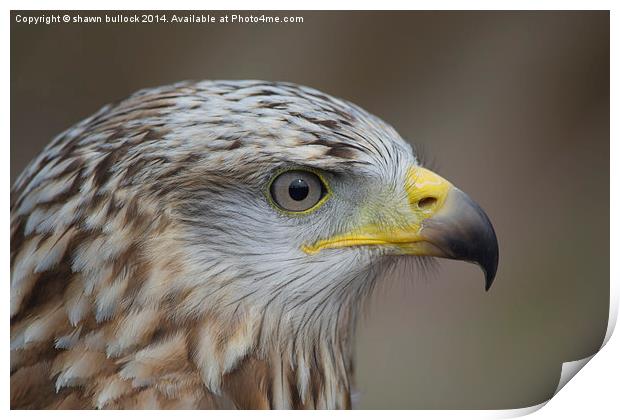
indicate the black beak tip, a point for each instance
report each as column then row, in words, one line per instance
column 486, row 252
column 488, row 281
column 490, row 265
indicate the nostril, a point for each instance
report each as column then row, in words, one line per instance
column 427, row 202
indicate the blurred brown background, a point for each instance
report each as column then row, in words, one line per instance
column 512, row 107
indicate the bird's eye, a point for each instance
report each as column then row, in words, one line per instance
column 297, row 191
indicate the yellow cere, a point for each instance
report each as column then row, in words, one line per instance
column 427, row 191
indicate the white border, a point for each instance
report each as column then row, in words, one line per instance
column 593, row 394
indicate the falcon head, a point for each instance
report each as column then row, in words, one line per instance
column 242, row 221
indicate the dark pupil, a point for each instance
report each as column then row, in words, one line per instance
column 298, row 190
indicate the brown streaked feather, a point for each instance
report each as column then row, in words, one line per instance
column 249, row 385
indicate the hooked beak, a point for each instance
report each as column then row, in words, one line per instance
column 442, row 222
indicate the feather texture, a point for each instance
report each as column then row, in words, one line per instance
column 148, row 270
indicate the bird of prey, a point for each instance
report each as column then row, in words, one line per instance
column 208, row 245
